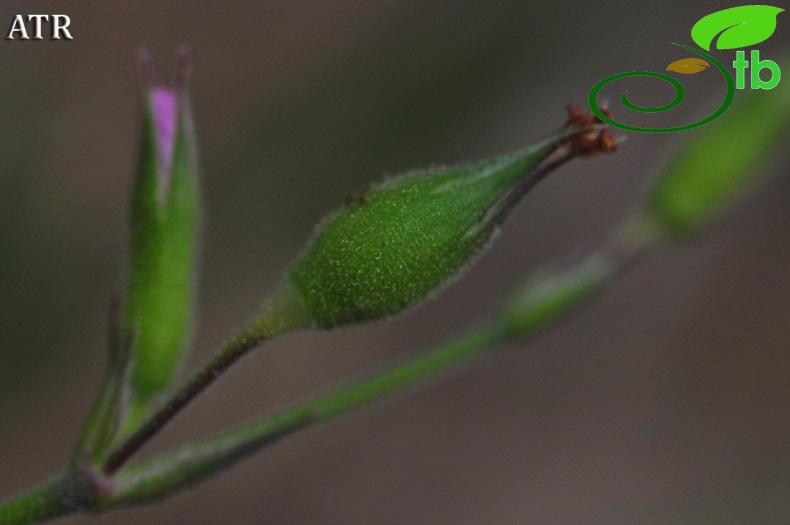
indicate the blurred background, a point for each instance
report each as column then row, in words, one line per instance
column 666, row 401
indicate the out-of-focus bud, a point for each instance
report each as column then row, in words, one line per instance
column 721, row 161
column 549, row 295
column 164, row 216
column 394, row 244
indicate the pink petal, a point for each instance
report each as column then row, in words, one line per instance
column 164, row 102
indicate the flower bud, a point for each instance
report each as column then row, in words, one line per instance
column 396, row 243
column 721, row 161
column 547, row 296
column 164, row 217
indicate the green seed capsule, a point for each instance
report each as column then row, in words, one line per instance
column 396, row 243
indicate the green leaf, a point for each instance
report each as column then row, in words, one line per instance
column 741, row 26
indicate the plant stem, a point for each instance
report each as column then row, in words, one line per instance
column 199, row 382
column 536, row 304
column 65, row 494
column 527, row 312
column 279, row 315
column 162, row 476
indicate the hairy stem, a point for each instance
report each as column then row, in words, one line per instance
column 162, row 476
column 65, row 494
column 276, row 318
column 199, row 382
column 527, row 313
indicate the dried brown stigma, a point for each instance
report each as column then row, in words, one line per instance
column 575, row 114
column 578, row 118
column 592, row 138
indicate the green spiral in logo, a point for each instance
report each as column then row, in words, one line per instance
column 679, row 96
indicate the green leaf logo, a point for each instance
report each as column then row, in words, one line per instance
column 742, row 26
